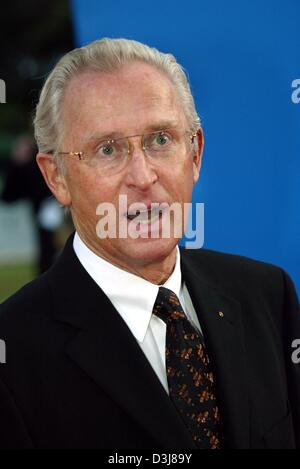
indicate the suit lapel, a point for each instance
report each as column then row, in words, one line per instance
column 220, row 319
column 106, row 350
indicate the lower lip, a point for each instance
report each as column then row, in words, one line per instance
column 146, row 230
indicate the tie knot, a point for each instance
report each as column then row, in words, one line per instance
column 167, row 305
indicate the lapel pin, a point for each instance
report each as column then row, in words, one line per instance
column 221, row 314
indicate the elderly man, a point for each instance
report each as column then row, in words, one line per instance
column 127, row 341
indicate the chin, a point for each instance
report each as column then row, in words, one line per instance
column 144, row 250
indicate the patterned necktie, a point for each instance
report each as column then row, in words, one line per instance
column 190, row 379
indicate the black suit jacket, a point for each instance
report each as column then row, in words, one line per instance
column 75, row 377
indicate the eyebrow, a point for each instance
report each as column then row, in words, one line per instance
column 163, row 125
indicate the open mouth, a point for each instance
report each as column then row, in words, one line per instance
column 146, row 217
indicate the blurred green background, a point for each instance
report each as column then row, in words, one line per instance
column 13, row 276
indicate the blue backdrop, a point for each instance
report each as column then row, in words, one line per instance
column 241, row 57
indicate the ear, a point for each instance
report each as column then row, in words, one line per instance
column 198, row 154
column 54, row 178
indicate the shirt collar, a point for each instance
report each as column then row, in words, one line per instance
column 132, row 296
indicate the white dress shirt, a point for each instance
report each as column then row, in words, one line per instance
column 134, row 298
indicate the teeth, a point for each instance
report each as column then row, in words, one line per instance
column 149, row 221
column 145, row 217
column 133, row 215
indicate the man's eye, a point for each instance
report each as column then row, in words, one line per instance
column 106, row 150
column 162, row 139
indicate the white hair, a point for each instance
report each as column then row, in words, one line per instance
column 104, row 55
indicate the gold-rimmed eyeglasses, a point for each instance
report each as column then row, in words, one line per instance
column 112, row 154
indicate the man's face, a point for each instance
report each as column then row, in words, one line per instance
column 132, row 101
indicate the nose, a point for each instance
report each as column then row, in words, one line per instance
column 140, row 173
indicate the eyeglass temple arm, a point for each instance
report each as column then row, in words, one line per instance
column 192, row 137
column 72, row 153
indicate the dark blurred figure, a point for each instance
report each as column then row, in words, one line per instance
column 24, row 181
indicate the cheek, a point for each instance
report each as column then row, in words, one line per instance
column 179, row 189
column 81, row 188
column 88, row 190
column 183, row 180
